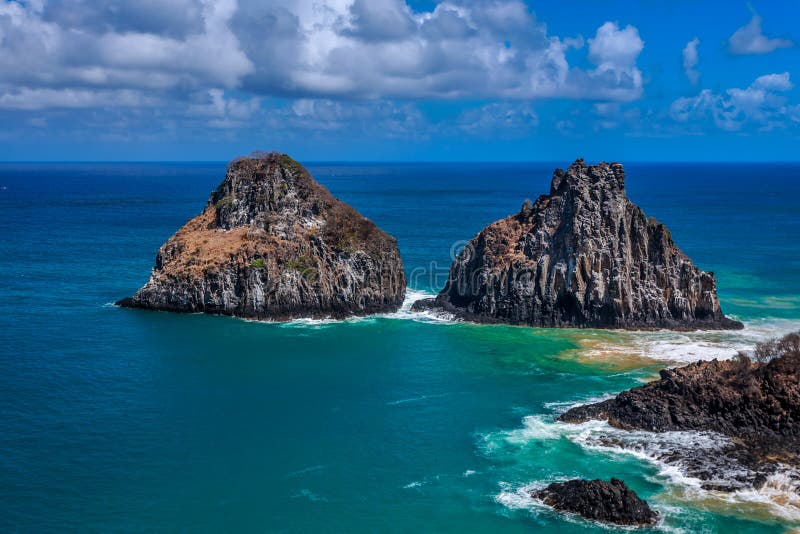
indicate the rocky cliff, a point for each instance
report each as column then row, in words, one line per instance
column 583, row 256
column 272, row 243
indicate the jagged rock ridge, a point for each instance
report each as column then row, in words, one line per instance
column 582, row 256
column 272, row 243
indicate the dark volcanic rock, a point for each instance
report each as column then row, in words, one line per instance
column 272, row 243
column 610, row 502
column 583, row 256
column 755, row 404
column 735, row 397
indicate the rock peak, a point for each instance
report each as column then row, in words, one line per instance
column 584, row 256
column 267, row 184
column 579, row 176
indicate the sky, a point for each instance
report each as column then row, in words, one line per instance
column 399, row 80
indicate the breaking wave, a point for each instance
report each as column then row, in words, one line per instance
column 680, row 347
column 404, row 313
column 690, row 464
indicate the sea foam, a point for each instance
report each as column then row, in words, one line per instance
column 669, row 452
column 681, row 347
column 404, row 313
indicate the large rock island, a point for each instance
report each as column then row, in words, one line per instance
column 272, row 243
column 582, row 256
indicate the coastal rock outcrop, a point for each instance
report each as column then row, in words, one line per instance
column 582, row 256
column 272, row 243
column 610, row 502
column 756, row 404
column 737, row 397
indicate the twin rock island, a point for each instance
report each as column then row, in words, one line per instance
column 274, row 244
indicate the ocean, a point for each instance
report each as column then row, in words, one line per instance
column 120, row 420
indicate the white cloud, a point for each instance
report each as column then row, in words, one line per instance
column 503, row 118
column 147, row 68
column 759, row 104
column 749, row 39
column 615, row 49
column 380, row 20
column 615, row 52
column 381, row 118
column 39, row 49
column 773, row 82
column 690, row 60
column 223, row 111
column 44, row 98
column 352, row 49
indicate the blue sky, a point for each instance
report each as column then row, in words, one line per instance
column 399, row 80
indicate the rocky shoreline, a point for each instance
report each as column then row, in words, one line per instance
column 581, row 256
column 754, row 403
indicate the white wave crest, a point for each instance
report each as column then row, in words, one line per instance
column 780, row 493
column 404, row 313
column 685, row 347
column 426, row 316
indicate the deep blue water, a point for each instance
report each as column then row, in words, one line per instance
column 126, row 420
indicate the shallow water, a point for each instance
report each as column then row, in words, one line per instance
column 129, row 420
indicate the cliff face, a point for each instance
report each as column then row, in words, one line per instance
column 583, row 256
column 274, row 244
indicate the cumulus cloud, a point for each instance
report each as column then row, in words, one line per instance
column 615, row 51
column 223, row 111
column 505, row 118
column 760, row 104
column 380, row 20
column 273, row 69
column 374, row 118
column 45, row 45
column 690, row 60
column 382, row 49
column 45, row 98
column 749, row 39
column 341, row 49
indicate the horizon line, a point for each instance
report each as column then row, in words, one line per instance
column 393, row 161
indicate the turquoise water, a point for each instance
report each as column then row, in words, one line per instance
column 126, row 420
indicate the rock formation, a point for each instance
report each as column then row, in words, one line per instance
column 610, row 502
column 582, row 256
column 755, row 404
column 274, row 244
column 735, row 397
